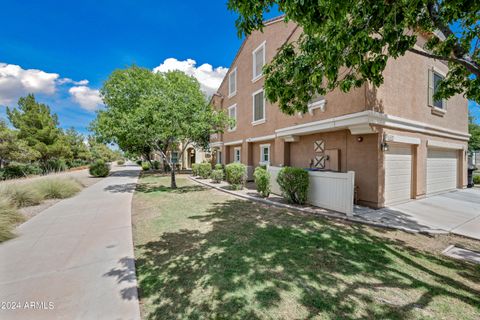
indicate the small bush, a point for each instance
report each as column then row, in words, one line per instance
column 294, row 184
column 57, row 188
column 9, row 217
column 99, row 169
column 218, row 166
column 195, row 169
column 236, row 175
column 120, row 162
column 145, row 166
column 217, row 175
column 21, row 195
column 20, row 170
column 156, row 164
column 54, row 165
column 262, row 181
column 476, row 179
column 139, row 162
column 204, row 170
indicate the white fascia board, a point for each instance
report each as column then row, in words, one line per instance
column 216, row 144
column 262, row 138
column 231, row 143
column 402, row 139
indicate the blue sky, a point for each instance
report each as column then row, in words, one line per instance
column 64, row 50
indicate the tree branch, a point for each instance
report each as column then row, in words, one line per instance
column 470, row 65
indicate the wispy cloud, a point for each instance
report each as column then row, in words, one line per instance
column 89, row 99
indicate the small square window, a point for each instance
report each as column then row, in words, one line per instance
column 232, row 83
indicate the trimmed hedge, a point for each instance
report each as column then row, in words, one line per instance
column 262, row 181
column 294, row 184
column 235, row 174
column 120, row 162
column 476, row 179
column 204, row 170
column 217, row 175
column 218, row 166
column 156, row 164
column 19, row 170
column 195, row 169
column 99, row 169
column 145, row 166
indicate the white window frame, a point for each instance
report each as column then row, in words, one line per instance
column 262, row 147
column 233, row 72
column 233, row 107
column 431, row 91
column 254, row 62
column 258, row 121
column 239, row 150
column 219, row 156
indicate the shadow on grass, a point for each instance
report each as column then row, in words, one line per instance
column 147, row 188
column 257, row 262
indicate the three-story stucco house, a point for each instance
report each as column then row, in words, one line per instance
column 400, row 143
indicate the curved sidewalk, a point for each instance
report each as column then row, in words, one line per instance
column 75, row 259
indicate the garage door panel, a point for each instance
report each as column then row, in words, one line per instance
column 441, row 170
column 398, row 173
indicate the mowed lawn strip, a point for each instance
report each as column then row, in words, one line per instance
column 203, row 254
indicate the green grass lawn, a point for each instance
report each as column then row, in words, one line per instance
column 202, row 254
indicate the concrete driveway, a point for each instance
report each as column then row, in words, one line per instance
column 457, row 212
column 75, row 259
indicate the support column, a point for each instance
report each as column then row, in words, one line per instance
column 420, row 170
column 281, row 153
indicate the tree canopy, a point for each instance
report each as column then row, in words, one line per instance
column 146, row 111
column 474, row 130
column 345, row 43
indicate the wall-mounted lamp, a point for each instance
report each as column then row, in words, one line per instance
column 384, row 146
column 360, row 139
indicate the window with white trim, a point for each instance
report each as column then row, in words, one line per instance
column 265, row 154
column 237, row 154
column 219, row 156
column 258, row 61
column 434, row 79
column 232, row 83
column 232, row 114
column 258, row 107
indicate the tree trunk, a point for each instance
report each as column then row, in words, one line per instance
column 173, row 183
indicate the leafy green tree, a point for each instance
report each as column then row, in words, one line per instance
column 100, row 151
column 345, row 43
column 474, row 130
column 76, row 141
column 12, row 148
column 39, row 129
column 146, row 111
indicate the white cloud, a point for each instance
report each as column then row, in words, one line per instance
column 210, row 78
column 70, row 81
column 16, row 82
column 89, row 99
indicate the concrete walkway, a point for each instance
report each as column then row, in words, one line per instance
column 75, row 260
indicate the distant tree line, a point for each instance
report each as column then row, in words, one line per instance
column 33, row 143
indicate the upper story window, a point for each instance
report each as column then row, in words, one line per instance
column 237, row 153
column 232, row 83
column 258, row 107
column 232, row 114
column 434, row 79
column 258, row 61
column 265, row 154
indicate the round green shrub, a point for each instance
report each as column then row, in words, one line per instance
column 21, row 195
column 57, row 188
column 204, row 170
column 99, row 168
column 195, row 169
column 262, row 181
column 145, row 166
column 156, row 164
column 476, row 179
column 294, row 184
column 120, row 162
column 217, row 175
column 218, row 166
column 236, row 175
column 139, row 162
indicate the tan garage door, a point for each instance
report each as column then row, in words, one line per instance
column 442, row 169
column 398, row 173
